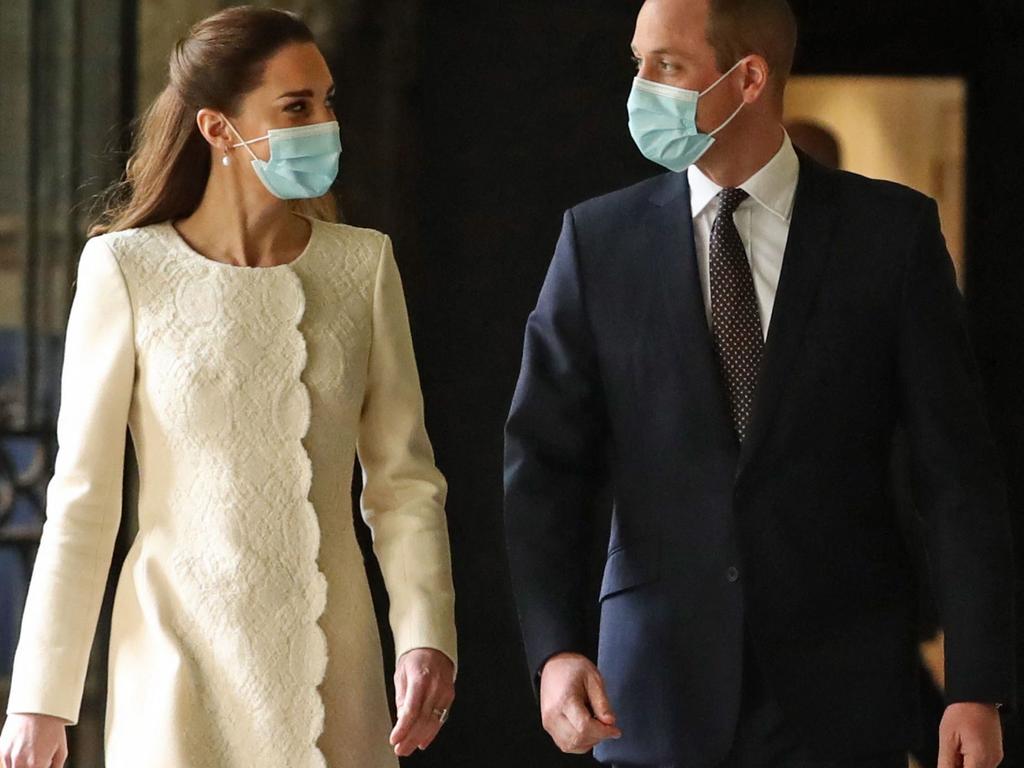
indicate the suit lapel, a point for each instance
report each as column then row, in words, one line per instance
column 808, row 249
column 668, row 235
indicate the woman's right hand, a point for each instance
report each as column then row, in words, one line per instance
column 34, row 741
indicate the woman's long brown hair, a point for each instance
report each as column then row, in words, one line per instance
column 215, row 66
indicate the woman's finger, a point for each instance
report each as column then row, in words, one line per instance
column 420, row 724
column 400, row 687
column 429, row 719
column 415, row 692
column 428, row 724
column 446, row 694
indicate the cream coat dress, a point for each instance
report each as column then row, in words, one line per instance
column 243, row 630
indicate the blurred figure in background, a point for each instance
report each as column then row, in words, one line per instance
column 817, row 141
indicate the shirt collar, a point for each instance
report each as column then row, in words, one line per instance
column 773, row 186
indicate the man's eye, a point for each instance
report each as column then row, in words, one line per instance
column 666, row 66
column 637, row 61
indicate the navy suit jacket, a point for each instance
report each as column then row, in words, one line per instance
column 793, row 534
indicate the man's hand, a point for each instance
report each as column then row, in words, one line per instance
column 424, row 682
column 573, row 703
column 970, row 736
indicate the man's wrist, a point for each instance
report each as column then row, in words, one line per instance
column 994, row 704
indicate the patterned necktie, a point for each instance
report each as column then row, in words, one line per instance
column 735, row 315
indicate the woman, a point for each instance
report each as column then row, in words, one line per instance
column 253, row 349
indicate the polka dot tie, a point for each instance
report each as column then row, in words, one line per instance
column 735, row 315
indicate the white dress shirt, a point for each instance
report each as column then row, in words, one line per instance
column 762, row 221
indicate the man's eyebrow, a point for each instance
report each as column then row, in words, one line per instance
column 660, row 52
column 304, row 93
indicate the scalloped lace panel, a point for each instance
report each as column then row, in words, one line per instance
column 225, row 357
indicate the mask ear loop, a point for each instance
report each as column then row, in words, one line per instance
column 244, row 143
column 731, row 70
column 742, row 104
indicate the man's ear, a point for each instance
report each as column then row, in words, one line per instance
column 756, row 78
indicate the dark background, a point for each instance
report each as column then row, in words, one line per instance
column 499, row 116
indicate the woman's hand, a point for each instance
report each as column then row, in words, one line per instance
column 34, row 741
column 424, row 686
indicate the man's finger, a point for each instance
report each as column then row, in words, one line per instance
column 947, row 754
column 590, row 730
column 980, row 759
column 567, row 737
column 599, row 703
column 577, row 714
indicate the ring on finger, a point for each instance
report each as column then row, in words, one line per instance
column 440, row 714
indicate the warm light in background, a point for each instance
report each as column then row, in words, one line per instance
column 906, row 129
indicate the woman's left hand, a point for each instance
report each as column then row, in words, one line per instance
column 424, row 687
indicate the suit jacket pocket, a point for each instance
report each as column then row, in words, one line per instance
column 630, row 566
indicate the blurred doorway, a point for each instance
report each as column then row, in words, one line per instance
column 907, row 129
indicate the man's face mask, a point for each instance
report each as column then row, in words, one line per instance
column 663, row 122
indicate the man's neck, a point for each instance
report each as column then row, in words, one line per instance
column 730, row 168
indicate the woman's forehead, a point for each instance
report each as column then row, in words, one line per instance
column 296, row 67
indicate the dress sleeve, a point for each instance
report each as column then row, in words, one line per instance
column 83, row 498
column 404, row 493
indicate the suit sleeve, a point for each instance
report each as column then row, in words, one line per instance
column 404, row 493
column 956, row 475
column 83, row 498
column 554, row 462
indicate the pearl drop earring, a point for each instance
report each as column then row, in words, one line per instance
column 226, row 160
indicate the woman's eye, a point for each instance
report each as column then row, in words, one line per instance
column 637, row 61
column 300, row 104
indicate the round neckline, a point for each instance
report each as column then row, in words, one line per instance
column 190, row 251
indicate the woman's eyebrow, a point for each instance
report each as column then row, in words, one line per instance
column 304, row 93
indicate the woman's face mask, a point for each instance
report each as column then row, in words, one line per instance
column 303, row 159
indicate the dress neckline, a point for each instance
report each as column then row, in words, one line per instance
column 190, row 251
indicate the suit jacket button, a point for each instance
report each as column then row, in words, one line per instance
column 732, row 573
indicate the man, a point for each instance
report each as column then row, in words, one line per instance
column 733, row 344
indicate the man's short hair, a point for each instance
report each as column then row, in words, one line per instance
column 738, row 28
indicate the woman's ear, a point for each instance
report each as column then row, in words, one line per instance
column 215, row 128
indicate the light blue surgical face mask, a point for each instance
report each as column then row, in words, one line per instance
column 663, row 122
column 303, row 159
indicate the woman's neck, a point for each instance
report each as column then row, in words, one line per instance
column 256, row 232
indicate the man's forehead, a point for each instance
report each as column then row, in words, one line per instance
column 671, row 24
column 676, row 12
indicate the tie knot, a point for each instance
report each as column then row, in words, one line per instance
column 730, row 198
